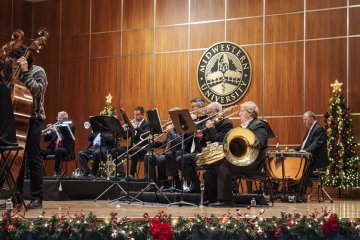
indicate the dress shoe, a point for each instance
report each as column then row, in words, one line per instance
column 35, row 203
column 207, row 202
column 222, row 204
column 130, row 176
column 195, row 187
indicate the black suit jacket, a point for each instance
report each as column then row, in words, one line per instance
column 316, row 145
column 259, row 129
column 144, row 127
column 218, row 133
column 68, row 144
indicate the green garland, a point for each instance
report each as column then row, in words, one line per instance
column 321, row 224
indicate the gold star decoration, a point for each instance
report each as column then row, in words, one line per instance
column 336, row 86
column 108, row 98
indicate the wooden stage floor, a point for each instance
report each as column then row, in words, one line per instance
column 344, row 208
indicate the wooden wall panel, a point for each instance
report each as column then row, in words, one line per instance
column 194, row 91
column 318, row 4
column 289, row 131
column 284, row 27
column 284, row 6
column 22, row 17
column 105, row 15
column 74, row 85
column 105, row 79
column 283, row 79
column 138, row 41
column 171, row 12
column 75, row 47
column 6, row 17
column 138, row 13
column 328, row 62
column 75, row 17
column 106, row 44
column 354, row 75
column 354, row 20
column 48, row 12
column 171, row 38
column 244, row 8
column 170, row 82
column 245, row 31
column 206, row 34
column 137, row 82
column 255, row 90
column 354, row 2
column 330, row 23
column 50, row 52
column 202, row 10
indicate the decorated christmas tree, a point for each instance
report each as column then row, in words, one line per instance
column 343, row 171
column 109, row 109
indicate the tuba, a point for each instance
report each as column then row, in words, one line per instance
column 239, row 147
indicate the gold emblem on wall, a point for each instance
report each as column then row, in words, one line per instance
column 224, row 73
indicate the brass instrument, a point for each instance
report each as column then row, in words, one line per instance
column 50, row 128
column 239, row 147
column 87, row 125
column 133, row 121
column 226, row 113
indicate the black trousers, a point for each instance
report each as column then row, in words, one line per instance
column 33, row 160
column 166, row 163
column 218, row 184
column 60, row 155
column 134, row 158
column 94, row 153
column 189, row 161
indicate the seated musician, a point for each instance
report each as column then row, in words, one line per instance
column 62, row 149
column 138, row 149
column 166, row 161
column 218, row 178
column 7, row 121
column 314, row 142
column 100, row 144
column 192, row 147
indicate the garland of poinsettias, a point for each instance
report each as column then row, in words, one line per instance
column 321, row 224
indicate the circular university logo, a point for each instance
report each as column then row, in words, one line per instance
column 224, row 73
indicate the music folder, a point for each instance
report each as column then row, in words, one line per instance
column 115, row 126
column 98, row 124
column 182, row 121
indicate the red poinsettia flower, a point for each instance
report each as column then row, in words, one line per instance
column 160, row 230
column 330, row 225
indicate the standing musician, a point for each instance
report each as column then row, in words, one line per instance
column 7, row 121
column 62, row 149
column 34, row 78
column 192, row 148
column 166, row 162
column 218, row 178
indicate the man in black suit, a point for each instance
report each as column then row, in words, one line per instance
column 61, row 149
column 314, row 142
column 218, row 178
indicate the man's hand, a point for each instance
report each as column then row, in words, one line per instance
column 209, row 124
column 24, row 66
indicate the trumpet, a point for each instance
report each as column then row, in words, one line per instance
column 50, row 128
column 133, row 121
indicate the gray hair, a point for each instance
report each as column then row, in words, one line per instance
column 310, row 114
column 217, row 106
column 251, row 108
column 199, row 102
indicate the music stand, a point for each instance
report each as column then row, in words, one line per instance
column 155, row 128
column 67, row 138
column 114, row 125
column 183, row 124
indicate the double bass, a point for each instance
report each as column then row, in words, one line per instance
column 22, row 101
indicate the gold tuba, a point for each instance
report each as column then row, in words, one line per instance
column 241, row 147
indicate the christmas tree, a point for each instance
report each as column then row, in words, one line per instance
column 109, row 109
column 343, row 171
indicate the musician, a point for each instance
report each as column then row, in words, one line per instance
column 218, row 178
column 166, row 161
column 192, row 147
column 314, row 142
column 141, row 127
column 7, row 121
column 100, row 144
column 62, row 149
column 34, row 78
